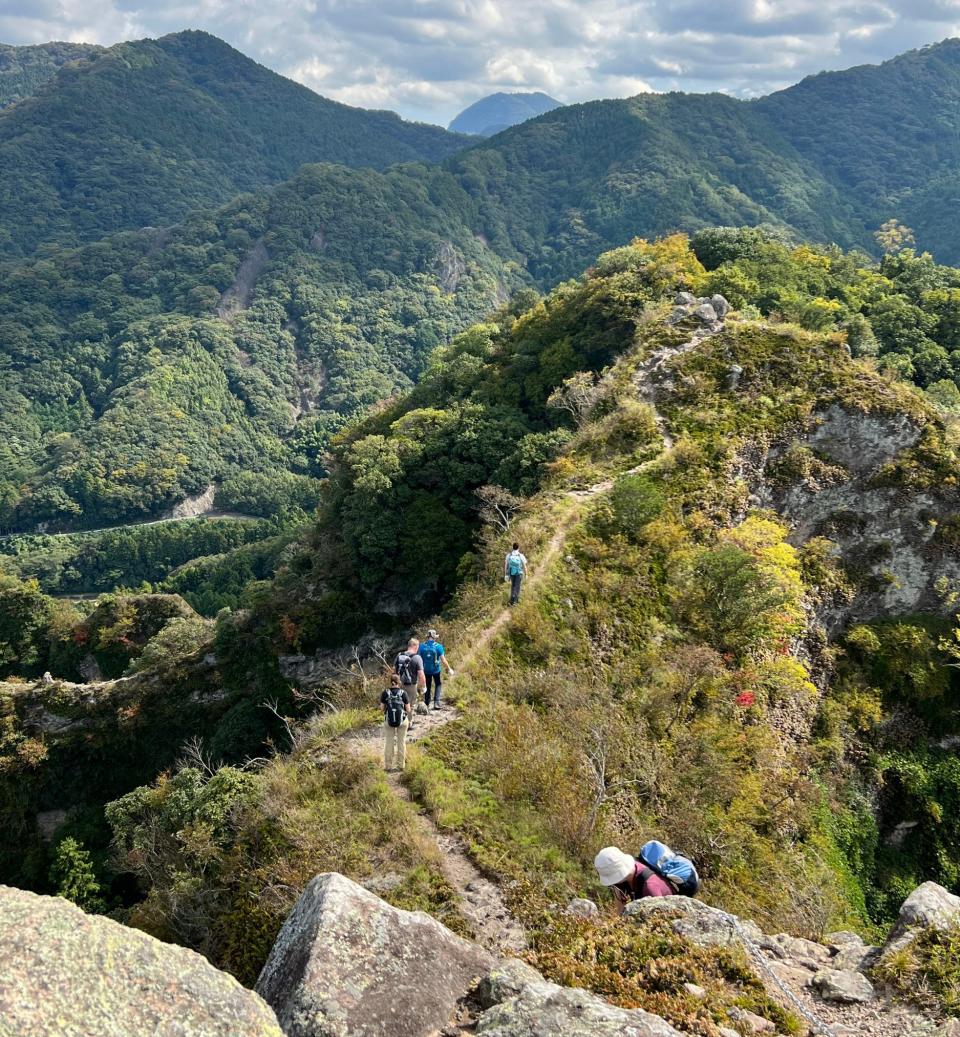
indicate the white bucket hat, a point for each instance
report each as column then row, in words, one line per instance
column 613, row 865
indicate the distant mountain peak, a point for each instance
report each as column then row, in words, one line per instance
column 501, row 110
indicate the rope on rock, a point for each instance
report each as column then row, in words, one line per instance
column 819, row 1026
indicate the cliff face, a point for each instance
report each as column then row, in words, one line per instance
column 858, row 479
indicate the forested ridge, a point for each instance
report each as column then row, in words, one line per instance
column 23, row 70
column 145, row 366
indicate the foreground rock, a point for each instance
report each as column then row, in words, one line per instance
column 531, row 1007
column 69, row 974
column 347, row 964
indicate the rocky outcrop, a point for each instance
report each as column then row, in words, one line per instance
column 707, row 311
column 828, row 481
column 845, row 986
column 929, row 906
column 191, row 507
column 347, row 964
column 696, row 921
column 76, row 975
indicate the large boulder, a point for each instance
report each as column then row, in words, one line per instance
column 72, row 974
column 347, row 964
column 542, row 1009
column 929, row 906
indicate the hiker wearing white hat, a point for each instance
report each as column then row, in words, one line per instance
column 628, row 878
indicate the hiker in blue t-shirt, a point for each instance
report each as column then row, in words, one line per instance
column 434, row 659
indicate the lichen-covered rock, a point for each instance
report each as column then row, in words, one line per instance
column 844, row 986
column 696, row 921
column 929, row 906
column 69, row 974
column 751, row 1022
column 720, row 305
column 546, row 1010
column 347, row 964
column 505, row 981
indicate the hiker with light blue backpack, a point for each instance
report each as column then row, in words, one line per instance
column 656, row 872
column 514, row 570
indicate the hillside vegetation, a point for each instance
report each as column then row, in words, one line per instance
column 23, row 70
column 145, row 132
column 675, row 667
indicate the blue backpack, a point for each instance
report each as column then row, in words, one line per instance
column 514, row 564
column 678, row 871
column 430, row 657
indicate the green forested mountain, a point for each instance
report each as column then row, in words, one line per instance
column 151, row 365
column 147, row 131
column 141, row 369
column 23, row 70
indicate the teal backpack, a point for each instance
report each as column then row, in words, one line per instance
column 430, row 657
column 514, row 564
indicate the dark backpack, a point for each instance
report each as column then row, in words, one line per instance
column 405, row 669
column 395, row 707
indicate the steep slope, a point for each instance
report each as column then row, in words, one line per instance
column 23, row 70
column 885, row 135
column 149, row 130
column 127, row 392
column 499, row 111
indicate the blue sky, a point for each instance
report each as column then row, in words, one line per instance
column 428, row 59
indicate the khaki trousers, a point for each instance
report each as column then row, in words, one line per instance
column 395, row 745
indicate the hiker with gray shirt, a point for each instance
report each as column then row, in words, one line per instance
column 409, row 665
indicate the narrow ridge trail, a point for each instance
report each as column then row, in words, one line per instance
column 481, row 901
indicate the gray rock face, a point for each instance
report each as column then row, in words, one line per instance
column 752, row 1022
column 546, row 1010
column 930, row 906
column 699, row 923
column 684, row 299
column 706, row 313
column 507, row 980
column 69, row 974
column 346, row 964
column 843, row 986
column 731, row 381
column 720, row 306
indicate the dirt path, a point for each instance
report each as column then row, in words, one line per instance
column 481, row 901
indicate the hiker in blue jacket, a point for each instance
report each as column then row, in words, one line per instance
column 514, row 570
column 434, row 659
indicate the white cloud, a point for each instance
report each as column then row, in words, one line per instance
column 429, row 58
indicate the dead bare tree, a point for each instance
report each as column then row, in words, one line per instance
column 193, row 755
column 498, row 506
column 576, row 395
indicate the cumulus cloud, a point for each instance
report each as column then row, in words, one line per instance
column 429, row 58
